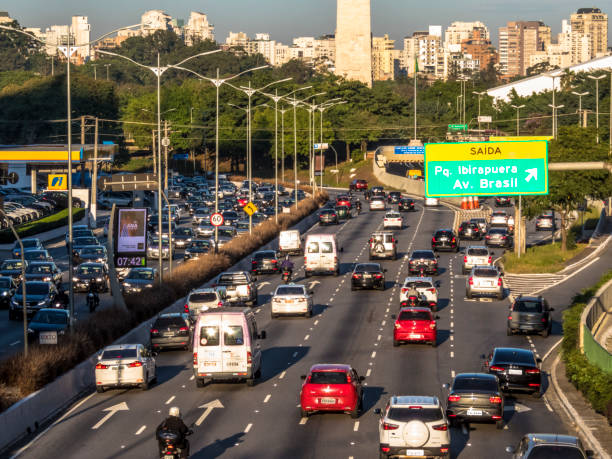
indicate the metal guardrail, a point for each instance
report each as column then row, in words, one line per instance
column 593, row 318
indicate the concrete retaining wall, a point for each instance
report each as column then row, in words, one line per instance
column 594, row 322
column 27, row 415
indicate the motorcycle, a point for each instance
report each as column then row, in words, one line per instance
column 286, row 275
column 169, row 439
column 93, row 300
column 422, row 270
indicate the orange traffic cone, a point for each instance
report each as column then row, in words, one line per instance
column 476, row 203
column 470, row 202
column 464, row 204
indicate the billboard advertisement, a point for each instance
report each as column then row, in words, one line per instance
column 132, row 231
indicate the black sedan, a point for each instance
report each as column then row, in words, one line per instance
column 469, row 231
column 406, row 205
column 197, row 248
column 7, row 290
column 516, row 369
column 503, row 201
column 30, row 243
column 445, row 239
column 46, row 271
column 171, row 331
column 88, row 274
column 48, row 325
column 368, row 275
column 90, row 254
column 138, row 279
column 475, row 397
column 498, row 237
column 83, row 241
column 12, row 268
column 265, row 262
column 39, row 295
column 182, row 237
column 328, row 217
column 343, row 212
column 394, row 197
column 423, row 262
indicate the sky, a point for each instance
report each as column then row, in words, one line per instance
column 286, row 19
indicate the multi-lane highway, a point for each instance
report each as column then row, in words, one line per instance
column 236, row 421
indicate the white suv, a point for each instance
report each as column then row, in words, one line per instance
column 413, row 426
column 393, row 219
column 476, row 255
column 425, row 286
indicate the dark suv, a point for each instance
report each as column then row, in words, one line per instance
column 393, row 197
column 503, row 201
column 406, row 205
column 470, row 231
column 530, row 314
column 475, row 397
column 423, row 262
column 444, row 239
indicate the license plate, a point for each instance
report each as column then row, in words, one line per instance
column 327, row 400
column 515, row 372
column 367, row 276
column 415, row 336
column 489, row 284
column 233, row 364
column 415, row 452
column 289, row 301
column 115, row 368
column 472, row 412
column 48, row 337
column 169, row 334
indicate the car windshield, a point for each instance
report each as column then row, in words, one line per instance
column 35, row 289
column 35, row 254
column 92, row 251
column 183, row 232
column 419, row 284
column 522, row 357
column 11, row 264
column 467, row 384
column 169, row 322
column 242, row 225
column 418, row 414
column 478, row 252
column 140, row 274
column 411, row 314
column 203, row 244
column 528, row 306
column 328, row 377
column 28, row 243
column 290, row 291
column 85, row 241
column 368, row 268
column 226, row 233
column 38, row 269
column 5, row 282
column 116, row 354
column 90, row 270
column 262, row 255
column 555, row 452
column 423, row 254
column 443, row 234
column 204, row 297
column 484, row 272
column 50, row 317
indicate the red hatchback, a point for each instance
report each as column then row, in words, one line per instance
column 331, row 387
column 343, row 201
column 415, row 324
column 358, row 185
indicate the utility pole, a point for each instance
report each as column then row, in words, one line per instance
column 83, row 146
column 166, row 155
column 154, row 152
column 93, row 210
column 95, row 72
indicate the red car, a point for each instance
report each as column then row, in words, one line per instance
column 415, row 324
column 242, row 201
column 358, row 185
column 343, row 201
column 331, row 387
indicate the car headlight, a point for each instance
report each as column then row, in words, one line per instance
column 99, row 279
column 75, row 279
column 41, row 302
column 47, row 279
column 125, row 284
column 5, row 293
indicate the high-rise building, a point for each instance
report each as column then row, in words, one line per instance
column 384, row 58
column 592, row 23
column 480, row 48
column 517, row 42
column 423, row 48
column 198, row 29
column 5, row 18
column 81, row 31
column 458, row 31
column 154, row 20
column 354, row 40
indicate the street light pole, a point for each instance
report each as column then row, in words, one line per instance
column 580, row 94
column 518, row 108
column 600, row 77
column 479, row 94
column 554, row 115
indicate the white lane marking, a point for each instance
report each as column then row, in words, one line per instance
column 170, row 400
column 383, row 323
column 452, row 324
column 453, row 373
column 111, row 410
column 547, row 405
column 267, row 398
column 139, row 431
column 306, row 337
column 452, row 338
column 303, row 421
column 248, row 427
column 452, row 354
column 379, row 337
column 373, row 354
column 356, row 426
column 282, row 375
column 15, row 343
column 369, row 372
column 316, row 321
column 192, row 378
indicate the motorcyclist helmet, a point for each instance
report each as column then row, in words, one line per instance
column 175, row 411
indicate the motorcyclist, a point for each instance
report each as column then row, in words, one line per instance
column 175, row 424
column 93, row 290
column 413, row 292
column 62, row 296
column 287, row 265
column 358, row 206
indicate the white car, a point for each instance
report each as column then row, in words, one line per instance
column 424, row 285
column 413, row 426
column 204, row 299
column 476, row 255
column 378, row 203
column 291, row 299
column 499, row 217
column 432, row 202
column 393, row 219
column 125, row 365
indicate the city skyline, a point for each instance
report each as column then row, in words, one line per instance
column 388, row 16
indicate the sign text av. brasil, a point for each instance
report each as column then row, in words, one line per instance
column 486, row 168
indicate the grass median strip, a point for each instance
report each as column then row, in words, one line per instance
column 44, row 224
column 540, row 259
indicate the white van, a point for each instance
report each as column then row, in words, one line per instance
column 289, row 242
column 321, row 254
column 225, row 346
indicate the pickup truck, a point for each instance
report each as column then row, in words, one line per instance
column 239, row 286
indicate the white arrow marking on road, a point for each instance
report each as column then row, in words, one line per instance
column 209, row 407
column 312, row 284
column 111, row 410
column 517, row 407
column 263, row 284
column 533, row 173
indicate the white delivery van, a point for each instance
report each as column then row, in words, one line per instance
column 321, row 254
column 289, row 242
column 225, row 346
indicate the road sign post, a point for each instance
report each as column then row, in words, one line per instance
column 486, row 169
column 216, row 219
column 250, row 208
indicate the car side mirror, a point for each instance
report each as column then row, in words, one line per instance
column 362, row 378
column 302, row 376
column 262, row 335
column 437, row 284
column 446, row 386
column 510, row 449
column 589, row 452
column 310, row 292
column 377, row 411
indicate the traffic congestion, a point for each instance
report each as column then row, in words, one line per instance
column 385, row 290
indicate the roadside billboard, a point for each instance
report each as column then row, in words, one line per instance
column 130, row 237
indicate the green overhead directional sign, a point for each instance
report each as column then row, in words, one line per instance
column 486, row 168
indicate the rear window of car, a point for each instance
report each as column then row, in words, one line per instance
column 497, row 231
column 328, row 377
column 484, row 384
column 29, row 243
column 423, row 254
column 209, row 335
column 443, row 234
column 368, row 268
column 327, row 247
column 232, row 278
column 528, row 306
column 410, row 414
column 419, row 284
column 481, row 272
column 290, row 291
column 478, row 252
column 50, row 317
column 414, row 315
column 232, row 335
column 509, row 356
column 203, row 297
column 116, row 354
column 555, row 452
column 165, row 322
column 5, row 282
column 261, row 255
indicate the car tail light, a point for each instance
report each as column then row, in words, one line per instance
column 509, row 317
column 454, row 398
column 533, row 371
column 220, row 303
column 253, row 262
column 495, row 399
column 274, row 261
column 184, row 329
column 249, row 358
column 385, row 449
column 356, row 276
column 154, row 331
column 378, row 276
column 465, row 259
column 490, row 260
column 494, row 368
column 432, row 290
column 503, row 237
column 186, row 307
column 101, row 366
column 496, row 417
column 471, row 281
column 440, row 427
column 444, row 450
column 534, row 385
column 389, row 426
column 453, row 240
column 404, row 289
column 487, row 237
column 433, row 239
column 499, row 281
column 195, row 358
column 135, row 364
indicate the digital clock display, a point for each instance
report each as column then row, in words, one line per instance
column 130, row 262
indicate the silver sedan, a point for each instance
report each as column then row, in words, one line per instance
column 291, row 299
